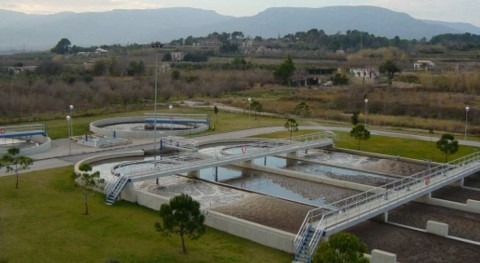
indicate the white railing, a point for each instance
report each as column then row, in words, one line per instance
column 348, row 209
column 252, row 150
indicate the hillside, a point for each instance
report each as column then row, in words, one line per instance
column 19, row 30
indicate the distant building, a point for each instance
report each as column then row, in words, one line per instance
column 18, row 70
column 423, row 65
column 177, row 56
column 88, row 65
column 367, row 73
column 84, row 54
column 101, row 51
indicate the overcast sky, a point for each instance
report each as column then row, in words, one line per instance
column 444, row 10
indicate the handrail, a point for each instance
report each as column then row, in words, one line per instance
column 265, row 146
column 392, row 190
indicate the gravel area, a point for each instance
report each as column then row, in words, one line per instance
column 269, row 211
column 460, row 224
column 456, row 194
column 349, row 160
column 413, row 246
column 394, row 167
column 473, row 181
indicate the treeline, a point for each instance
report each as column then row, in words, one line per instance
column 315, row 39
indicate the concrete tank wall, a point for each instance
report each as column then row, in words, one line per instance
column 471, row 206
column 44, row 144
column 97, row 127
column 261, row 234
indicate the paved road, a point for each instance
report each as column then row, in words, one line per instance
column 59, row 155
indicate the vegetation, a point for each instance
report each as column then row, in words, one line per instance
column 88, row 181
column 360, row 133
column 48, row 207
column 302, row 109
column 389, row 68
column 292, row 126
column 448, row 145
column 62, row 47
column 341, row 247
column 182, row 216
column 14, row 163
column 284, row 72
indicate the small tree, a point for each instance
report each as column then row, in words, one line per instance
column 256, row 107
column 284, row 71
column 448, row 145
column 63, row 46
column 182, row 216
column 302, row 109
column 215, row 110
column 389, row 68
column 291, row 125
column 342, row 247
column 14, row 163
column 354, row 118
column 360, row 133
column 89, row 180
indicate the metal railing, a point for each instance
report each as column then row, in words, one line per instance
column 195, row 161
column 252, row 150
column 371, row 201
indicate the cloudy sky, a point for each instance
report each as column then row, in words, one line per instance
column 444, row 10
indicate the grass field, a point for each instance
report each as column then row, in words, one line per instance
column 43, row 221
column 415, row 149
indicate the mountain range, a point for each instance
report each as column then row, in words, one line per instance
column 36, row 32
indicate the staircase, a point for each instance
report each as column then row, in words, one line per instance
column 114, row 189
column 307, row 244
column 302, row 255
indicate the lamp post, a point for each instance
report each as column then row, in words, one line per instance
column 466, row 120
column 249, row 104
column 155, row 45
column 170, row 108
column 69, row 134
column 366, row 102
column 71, row 119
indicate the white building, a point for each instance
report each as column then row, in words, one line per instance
column 423, row 65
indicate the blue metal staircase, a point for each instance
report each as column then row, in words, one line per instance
column 114, row 189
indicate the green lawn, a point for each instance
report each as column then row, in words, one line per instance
column 409, row 148
column 422, row 150
column 43, row 221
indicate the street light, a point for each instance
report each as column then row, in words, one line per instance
column 466, row 120
column 155, row 45
column 71, row 120
column 249, row 104
column 170, row 108
column 366, row 102
column 69, row 134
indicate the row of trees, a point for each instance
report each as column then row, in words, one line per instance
column 317, row 39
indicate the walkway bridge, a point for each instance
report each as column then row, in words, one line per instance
column 194, row 161
column 353, row 210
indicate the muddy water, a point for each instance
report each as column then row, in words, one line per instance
column 306, row 192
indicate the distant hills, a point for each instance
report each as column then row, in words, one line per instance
column 19, row 30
